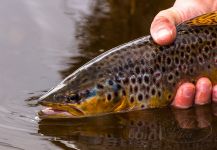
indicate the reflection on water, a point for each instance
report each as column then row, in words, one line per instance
column 151, row 129
column 111, row 23
column 40, row 39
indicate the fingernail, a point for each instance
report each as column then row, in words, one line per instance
column 204, row 87
column 203, row 92
column 188, row 92
column 163, row 34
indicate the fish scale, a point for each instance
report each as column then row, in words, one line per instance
column 139, row 74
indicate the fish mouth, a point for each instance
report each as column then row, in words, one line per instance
column 58, row 110
column 49, row 112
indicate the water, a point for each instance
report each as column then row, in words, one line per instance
column 41, row 42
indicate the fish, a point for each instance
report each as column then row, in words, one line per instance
column 137, row 75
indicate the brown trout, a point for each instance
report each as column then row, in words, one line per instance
column 139, row 74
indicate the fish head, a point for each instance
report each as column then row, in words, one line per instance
column 81, row 96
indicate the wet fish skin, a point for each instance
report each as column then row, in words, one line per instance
column 139, row 74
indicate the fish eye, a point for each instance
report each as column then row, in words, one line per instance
column 74, row 97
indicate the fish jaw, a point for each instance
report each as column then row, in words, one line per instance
column 94, row 106
column 59, row 110
column 49, row 112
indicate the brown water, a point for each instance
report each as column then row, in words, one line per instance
column 43, row 41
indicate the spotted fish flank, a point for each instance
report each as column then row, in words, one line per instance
column 139, row 74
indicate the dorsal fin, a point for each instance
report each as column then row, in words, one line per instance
column 203, row 20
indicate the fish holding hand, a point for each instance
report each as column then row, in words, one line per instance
column 137, row 75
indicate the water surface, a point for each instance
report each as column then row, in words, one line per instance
column 41, row 42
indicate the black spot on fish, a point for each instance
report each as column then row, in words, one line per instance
column 142, row 61
column 161, row 48
column 115, row 94
column 130, row 63
column 208, row 66
column 193, row 46
column 146, row 79
column 136, row 89
column 200, row 40
column 206, row 49
column 182, row 54
column 200, row 59
column 132, row 99
column 206, row 31
column 109, row 97
column 110, row 82
column 177, row 73
column 176, row 60
column 187, row 56
column 126, row 67
column 157, row 66
column 139, row 79
column 213, row 43
column 137, row 69
column 154, row 80
column 124, row 92
column 170, row 77
column 191, row 60
column 153, row 91
column 197, row 30
column 159, row 93
column 151, row 70
column 159, row 58
column 133, row 79
column 99, row 86
column 119, row 86
column 126, row 80
column 188, row 49
column 213, row 35
column 169, row 96
column 168, row 61
column 163, row 69
column 120, row 68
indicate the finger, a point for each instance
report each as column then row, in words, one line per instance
column 184, row 96
column 214, row 94
column 163, row 28
column 203, row 91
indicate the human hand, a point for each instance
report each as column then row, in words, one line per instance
column 163, row 31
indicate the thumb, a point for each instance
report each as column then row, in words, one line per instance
column 163, row 28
